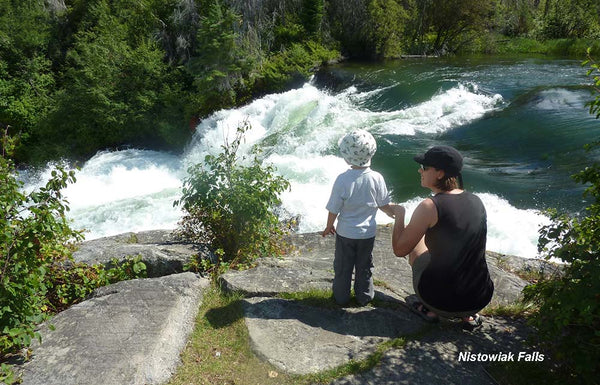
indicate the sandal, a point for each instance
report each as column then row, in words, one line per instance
column 472, row 322
column 421, row 310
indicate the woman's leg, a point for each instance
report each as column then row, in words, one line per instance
column 419, row 249
column 417, row 269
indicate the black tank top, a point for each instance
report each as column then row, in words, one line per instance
column 457, row 278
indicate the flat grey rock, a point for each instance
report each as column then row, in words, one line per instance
column 302, row 339
column 132, row 332
column 310, row 266
column 129, row 333
column 162, row 253
column 435, row 358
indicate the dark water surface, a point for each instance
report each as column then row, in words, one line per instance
column 524, row 147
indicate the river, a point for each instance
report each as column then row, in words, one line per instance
column 520, row 122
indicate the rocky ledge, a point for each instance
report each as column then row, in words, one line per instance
column 132, row 332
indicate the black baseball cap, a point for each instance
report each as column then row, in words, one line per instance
column 442, row 158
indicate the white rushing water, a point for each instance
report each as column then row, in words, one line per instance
column 134, row 190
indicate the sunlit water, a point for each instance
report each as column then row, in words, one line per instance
column 521, row 126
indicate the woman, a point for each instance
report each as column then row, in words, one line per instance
column 445, row 241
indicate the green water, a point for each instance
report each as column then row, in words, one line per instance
column 524, row 149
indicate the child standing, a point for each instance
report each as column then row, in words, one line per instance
column 356, row 196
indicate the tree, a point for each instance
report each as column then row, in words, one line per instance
column 26, row 79
column 388, row 20
column 516, row 17
column 178, row 33
column 451, row 22
column 218, row 63
column 117, row 89
column 312, row 16
column 349, row 20
column 570, row 19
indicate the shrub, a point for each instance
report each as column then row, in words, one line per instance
column 568, row 320
column 37, row 273
column 230, row 205
column 34, row 235
column 70, row 283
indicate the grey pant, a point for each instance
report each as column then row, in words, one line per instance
column 350, row 255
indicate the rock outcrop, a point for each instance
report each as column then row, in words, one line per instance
column 132, row 332
column 160, row 250
column 310, row 266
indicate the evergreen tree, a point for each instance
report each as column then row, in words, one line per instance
column 26, row 79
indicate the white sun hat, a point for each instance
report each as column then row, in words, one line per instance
column 358, row 147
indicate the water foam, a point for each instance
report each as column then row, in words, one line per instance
column 452, row 108
column 121, row 191
column 557, row 99
column 298, row 130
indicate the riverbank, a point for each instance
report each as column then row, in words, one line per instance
column 565, row 48
column 276, row 323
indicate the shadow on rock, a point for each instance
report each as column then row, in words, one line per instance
column 359, row 321
column 448, row 354
column 224, row 316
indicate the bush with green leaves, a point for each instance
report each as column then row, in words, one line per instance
column 37, row 274
column 72, row 282
column 229, row 203
column 34, row 235
column 568, row 320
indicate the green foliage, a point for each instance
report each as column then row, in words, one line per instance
column 70, row 283
column 312, row 16
column 569, row 19
column 26, row 80
column 515, row 17
column 37, row 275
column 569, row 315
column 218, row 66
column 34, row 234
column 454, row 22
column 115, row 88
column 80, row 76
column 594, row 71
column 371, row 28
column 229, row 202
column 292, row 64
column 7, row 375
column 388, row 20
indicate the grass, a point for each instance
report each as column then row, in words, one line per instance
column 515, row 310
column 312, row 297
column 219, row 352
column 500, row 44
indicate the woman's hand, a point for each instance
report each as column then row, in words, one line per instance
column 398, row 210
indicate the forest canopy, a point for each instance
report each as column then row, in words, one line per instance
column 77, row 76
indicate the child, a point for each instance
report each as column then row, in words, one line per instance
column 356, row 195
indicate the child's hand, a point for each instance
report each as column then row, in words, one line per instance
column 388, row 209
column 328, row 230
